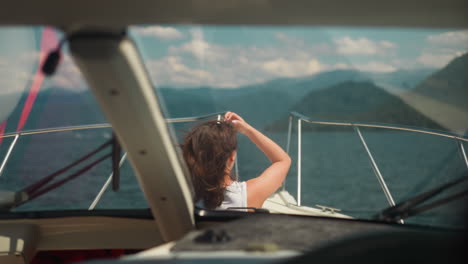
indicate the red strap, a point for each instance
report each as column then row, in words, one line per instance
column 33, row 187
column 49, row 41
column 2, row 130
column 38, row 192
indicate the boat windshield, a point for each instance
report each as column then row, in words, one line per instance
column 370, row 116
column 48, row 123
column 396, row 98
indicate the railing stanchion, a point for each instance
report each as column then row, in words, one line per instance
column 106, row 184
column 384, row 126
column 288, row 143
column 377, row 173
column 7, row 156
column 299, row 140
column 463, row 152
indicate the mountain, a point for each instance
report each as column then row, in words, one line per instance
column 187, row 102
column 449, row 85
column 359, row 102
column 261, row 104
column 443, row 96
column 58, row 107
column 299, row 86
column 255, row 105
column 403, row 80
column 303, row 85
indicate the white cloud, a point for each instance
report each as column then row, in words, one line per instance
column 442, row 48
column 437, row 59
column 199, row 48
column 16, row 72
column 291, row 68
column 289, row 40
column 453, row 38
column 233, row 66
column 340, row 66
column 371, row 66
column 20, row 71
column 375, row 66
column 363, row 46
column 238, row 66
column 200, row 62
column 171, row 69
column 159, row 32
column 15, row 75
column 68, row 76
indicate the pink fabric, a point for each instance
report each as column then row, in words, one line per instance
column 49, row 42
column 2, row 130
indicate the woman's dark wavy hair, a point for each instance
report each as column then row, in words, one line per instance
column 206, row 150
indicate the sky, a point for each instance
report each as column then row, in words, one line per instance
column 229, row 57
column 234, row 56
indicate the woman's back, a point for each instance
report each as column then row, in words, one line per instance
column 235, row 195
column 210, row 152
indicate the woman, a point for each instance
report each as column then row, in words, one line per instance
column 210, row 151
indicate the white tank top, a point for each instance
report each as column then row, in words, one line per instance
column 235, row 196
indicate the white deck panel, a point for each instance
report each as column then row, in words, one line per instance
column 283, row 202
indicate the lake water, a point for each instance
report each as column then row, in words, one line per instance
column 336, row 171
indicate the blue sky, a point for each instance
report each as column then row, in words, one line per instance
column 227, row 56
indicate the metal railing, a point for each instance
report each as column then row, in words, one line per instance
column 17, row 135
column 300, row 118
column 356, row 125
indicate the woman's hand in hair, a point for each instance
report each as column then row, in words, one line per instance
column 261, row 187
column 237, row 121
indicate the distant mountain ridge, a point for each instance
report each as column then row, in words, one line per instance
column 449, row 85
column 443, row 96
column 358, row 102
column 261, row 104
column 58, row 107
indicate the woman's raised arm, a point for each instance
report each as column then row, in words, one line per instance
column 260, row 188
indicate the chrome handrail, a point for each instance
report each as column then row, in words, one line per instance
column 376, row 169
column 356, row 126
column 463, row 152
column 194, row 118
column 18, row 134
column 106, row 184
column 379, row 125
column 101, row 125
column 55, row 129
column 299, row 160
column 7, row 156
